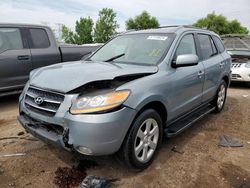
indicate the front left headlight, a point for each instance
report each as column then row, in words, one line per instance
column 97, row 103
column 247, row 65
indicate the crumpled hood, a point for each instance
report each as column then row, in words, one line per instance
column 65, row 77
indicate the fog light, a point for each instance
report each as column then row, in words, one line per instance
column 84, row 150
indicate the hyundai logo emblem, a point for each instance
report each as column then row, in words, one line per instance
column 38, row 100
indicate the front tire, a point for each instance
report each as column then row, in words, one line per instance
column 143, row 140
column 220, row 98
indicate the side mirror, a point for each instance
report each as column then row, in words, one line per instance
column 186, row 60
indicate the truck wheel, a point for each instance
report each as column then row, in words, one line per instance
column 143, row 140
column 220, row 98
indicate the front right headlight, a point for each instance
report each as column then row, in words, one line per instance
column 247, row 65
column 97, row 103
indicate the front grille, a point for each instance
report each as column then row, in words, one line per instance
column 235, row 76
column 236, row 65
column 51, row 101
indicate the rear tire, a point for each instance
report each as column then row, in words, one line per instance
column 143, row 140
column 220, row 98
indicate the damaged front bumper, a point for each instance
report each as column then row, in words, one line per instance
column 49, row 133
column 89, row 134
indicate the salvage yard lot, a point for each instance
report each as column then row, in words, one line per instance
column 196, row 162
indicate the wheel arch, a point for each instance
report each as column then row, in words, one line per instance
column 226, row 79
column 157, row 105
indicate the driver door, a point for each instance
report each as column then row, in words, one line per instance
column 188, row 81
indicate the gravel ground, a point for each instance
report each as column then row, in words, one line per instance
column 203, row 163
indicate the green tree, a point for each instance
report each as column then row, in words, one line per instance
column 142, row 21
column 106, row 25
column 67, row 35
column 235, row 27
column 82, row 34
column 219, row 24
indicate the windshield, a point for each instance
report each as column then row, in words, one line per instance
column 135, row 48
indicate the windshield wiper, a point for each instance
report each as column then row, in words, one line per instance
column 115, row 57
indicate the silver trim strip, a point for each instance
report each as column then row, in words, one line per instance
column 49, row 91
column 46, row 100
column 41, row 108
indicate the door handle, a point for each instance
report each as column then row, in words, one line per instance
column 23, row 57
column 200, row 74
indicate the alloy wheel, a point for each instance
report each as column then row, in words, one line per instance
column 221, row 96
column 146, row 140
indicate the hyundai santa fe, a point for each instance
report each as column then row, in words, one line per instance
column 137, row 88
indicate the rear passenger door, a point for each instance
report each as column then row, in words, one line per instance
column 15, row 58
column 213, row 63
column 43, row 48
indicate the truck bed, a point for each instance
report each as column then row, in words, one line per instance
column 76, row 52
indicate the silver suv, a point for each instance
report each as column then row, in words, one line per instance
column 125, row 97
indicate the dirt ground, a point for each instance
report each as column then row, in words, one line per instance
column 203, row 163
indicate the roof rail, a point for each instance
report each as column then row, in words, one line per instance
column 180, row 26
column 127, row 31
column 166, row 26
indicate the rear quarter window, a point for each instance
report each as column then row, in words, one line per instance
column 39, row 38
column 219, row 44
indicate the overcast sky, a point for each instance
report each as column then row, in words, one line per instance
column 168, row 12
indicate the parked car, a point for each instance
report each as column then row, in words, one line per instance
column 139, row 86
column 238, row 46
column 27, row 47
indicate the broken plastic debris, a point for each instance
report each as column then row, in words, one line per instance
column 175, row 149
column 227, row 141
column 97, row 182
column 13, row 155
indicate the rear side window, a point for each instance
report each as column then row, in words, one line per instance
column 219, row 44
column 10, row 39
column 215, row 51
column 39, row 38
column 206, row 46
column 186, row 46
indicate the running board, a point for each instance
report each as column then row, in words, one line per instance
column 187, row 121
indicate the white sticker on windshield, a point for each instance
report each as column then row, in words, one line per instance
column 157, row 37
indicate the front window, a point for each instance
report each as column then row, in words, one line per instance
column 186, row 46
column 10, row 39
column 135, row 49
